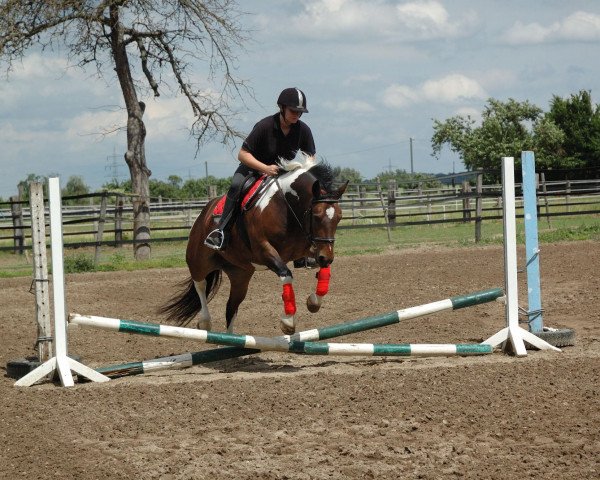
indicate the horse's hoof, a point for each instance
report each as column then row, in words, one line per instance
column 288, row 325
column 313, row 303
column 205, row 324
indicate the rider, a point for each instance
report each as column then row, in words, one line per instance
column 274, row 137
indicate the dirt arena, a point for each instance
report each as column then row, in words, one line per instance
column 280, row 416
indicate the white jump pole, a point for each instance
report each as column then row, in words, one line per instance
column 512, row 332
column 61, row 362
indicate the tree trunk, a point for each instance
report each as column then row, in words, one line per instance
column 136, row 137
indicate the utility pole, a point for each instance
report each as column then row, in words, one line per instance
column 206, row 175
column 412, row 168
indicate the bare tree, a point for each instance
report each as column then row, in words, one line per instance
column 152, row 46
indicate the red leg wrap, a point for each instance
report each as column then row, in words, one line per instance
column 323, row 276
column 289, row 299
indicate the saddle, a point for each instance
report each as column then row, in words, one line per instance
column 252, row 190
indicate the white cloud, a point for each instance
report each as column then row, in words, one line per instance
column 577, row 27
column 452, row 88
column 354, row 106
column 361, row 79
column 430, row 19
column 474, row 113
column 407, row 21
column 449, row 89
column 495, row 78
column 166, row 117
column 90, row 126
column 400, row 96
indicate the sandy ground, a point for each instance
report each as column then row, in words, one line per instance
column 280, row 416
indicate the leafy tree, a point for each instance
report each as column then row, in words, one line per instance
column 408, row 180
column 150, row 46
column 579, row 120
column 175, row 181
column 159, row 188
column 548, row 140
column 343, row 174
column 506, row 129
column 116, row 186
column 75, row 186
column 23, row 185
column 198, row 187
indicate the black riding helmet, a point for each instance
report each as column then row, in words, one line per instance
column 294, row 99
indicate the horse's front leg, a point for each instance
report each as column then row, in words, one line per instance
column 288, row 320
column 275, row 264
column 314, row 300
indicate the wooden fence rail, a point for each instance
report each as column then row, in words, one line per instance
column 108, row 220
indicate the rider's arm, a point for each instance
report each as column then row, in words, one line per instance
column 250, row 161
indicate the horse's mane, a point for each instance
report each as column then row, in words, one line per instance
column 321, row 170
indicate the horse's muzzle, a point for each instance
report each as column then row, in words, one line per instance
column 324, row 261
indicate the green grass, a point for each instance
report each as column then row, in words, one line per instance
column 348, row 242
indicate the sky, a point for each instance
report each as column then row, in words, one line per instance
column 375, row 73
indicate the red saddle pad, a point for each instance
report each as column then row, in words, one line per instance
column 218, row 210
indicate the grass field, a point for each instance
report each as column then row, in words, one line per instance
column 348, row 242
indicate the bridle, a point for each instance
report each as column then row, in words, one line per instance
column 309, row 212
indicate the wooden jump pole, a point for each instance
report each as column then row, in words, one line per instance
column 301, row 342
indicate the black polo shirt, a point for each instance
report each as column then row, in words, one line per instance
column 267, row 142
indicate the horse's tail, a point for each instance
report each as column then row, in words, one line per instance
column 185, row 305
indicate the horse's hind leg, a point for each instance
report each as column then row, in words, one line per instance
column 239, row 280
column 204, row 318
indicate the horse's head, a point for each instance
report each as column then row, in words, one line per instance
column 310, row 185
column 325, row 214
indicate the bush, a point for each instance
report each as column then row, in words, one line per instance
column 79, row 263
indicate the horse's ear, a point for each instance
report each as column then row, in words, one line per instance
column 342, row 189
column 316, row 189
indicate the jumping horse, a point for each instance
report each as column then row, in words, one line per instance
column 296, row 216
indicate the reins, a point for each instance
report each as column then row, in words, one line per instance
column 309, row 211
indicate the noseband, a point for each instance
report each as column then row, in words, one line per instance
column 309, row 211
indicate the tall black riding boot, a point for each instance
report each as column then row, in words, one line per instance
column 217, row 239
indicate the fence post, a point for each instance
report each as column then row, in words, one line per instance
column 100, row 231
column 361, row 195
column 568, row 193
column 212, row 191
column 17, row 218
column 466, row 191
column 544, row 189
column 118, row 221
column 391, row 210
column 478, row 207
column 385, row 212
column 40, row 271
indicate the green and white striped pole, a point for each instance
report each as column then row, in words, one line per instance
column 302, row 342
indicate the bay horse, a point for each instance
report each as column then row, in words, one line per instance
column 296, row 216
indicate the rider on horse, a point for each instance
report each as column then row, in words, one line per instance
column 277, row 136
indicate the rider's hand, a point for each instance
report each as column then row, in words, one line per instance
column 271, row 170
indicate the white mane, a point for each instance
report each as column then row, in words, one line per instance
column 302, row 160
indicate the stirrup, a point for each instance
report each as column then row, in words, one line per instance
column 215, row 239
